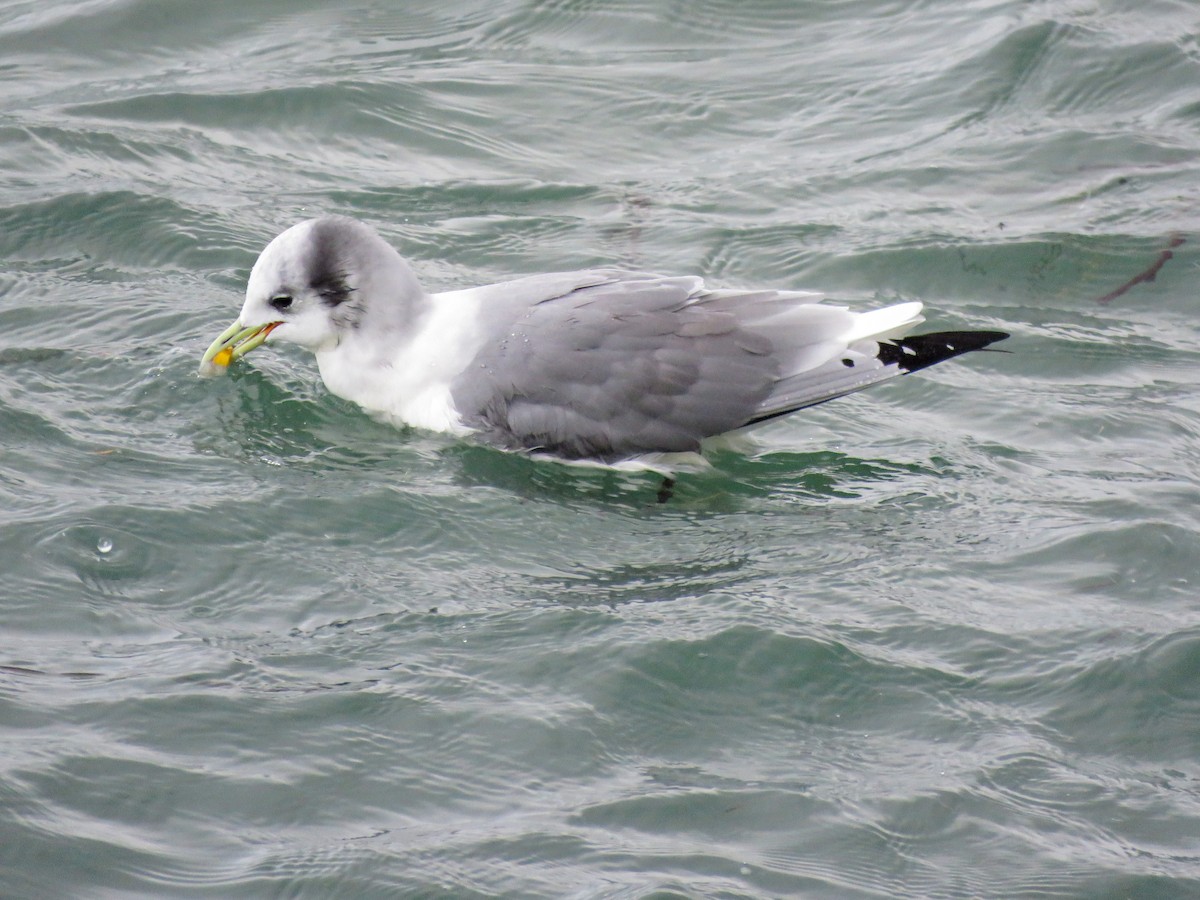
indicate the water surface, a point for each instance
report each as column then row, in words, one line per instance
column 937, row 640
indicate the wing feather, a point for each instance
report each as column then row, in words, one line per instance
column 615, row 369
column 605, row 365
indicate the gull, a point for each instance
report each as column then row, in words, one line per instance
column 602, row 365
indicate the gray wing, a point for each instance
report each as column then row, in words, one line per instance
column 605, row 371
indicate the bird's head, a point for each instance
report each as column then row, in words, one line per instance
column 315, row 283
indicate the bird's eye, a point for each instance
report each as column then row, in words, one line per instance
column 282, row 302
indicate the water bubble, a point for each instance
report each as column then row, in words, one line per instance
column 104, row 545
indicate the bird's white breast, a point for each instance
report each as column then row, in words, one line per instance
column 405, row 378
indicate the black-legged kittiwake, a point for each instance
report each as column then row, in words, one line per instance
column 597, row 365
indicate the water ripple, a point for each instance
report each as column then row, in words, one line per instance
column 936, row 640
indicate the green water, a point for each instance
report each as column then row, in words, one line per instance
column 941, row 639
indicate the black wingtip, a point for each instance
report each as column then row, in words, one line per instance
column 919, row 351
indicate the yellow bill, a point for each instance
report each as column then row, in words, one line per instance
column 233, row 343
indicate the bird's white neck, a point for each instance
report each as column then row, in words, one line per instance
column 403, row 373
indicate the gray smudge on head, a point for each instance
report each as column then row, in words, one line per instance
column 330, row 259
column 327, row 275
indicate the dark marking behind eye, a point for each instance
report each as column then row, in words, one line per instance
column 332, row 289
column 325, row 274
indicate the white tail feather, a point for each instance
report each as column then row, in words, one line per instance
column 883, row 324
